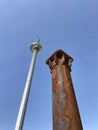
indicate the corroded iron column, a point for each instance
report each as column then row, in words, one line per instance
column 65, row 109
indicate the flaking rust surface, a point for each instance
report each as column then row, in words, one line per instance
column 65, row 109
column 61, row 121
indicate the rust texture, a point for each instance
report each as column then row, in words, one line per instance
column 65, row 109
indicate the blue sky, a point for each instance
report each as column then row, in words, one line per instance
column 70, row 25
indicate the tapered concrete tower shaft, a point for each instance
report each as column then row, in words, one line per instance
column 65, row 109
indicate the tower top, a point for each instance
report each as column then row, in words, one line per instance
column 36, row 45
column 59, row 57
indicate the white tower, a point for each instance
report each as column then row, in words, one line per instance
column 35, row 48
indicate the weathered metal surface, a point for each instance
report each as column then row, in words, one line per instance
column 65, row 109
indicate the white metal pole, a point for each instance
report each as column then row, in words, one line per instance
column 35, row 48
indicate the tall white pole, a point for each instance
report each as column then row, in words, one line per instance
column 35, row 48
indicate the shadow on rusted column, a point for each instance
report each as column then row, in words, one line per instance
column 65, row 109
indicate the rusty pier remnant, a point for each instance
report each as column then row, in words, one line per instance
column 65, row 109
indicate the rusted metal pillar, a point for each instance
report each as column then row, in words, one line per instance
column 65, row 109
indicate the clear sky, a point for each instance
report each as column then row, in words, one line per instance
column 71, row 25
